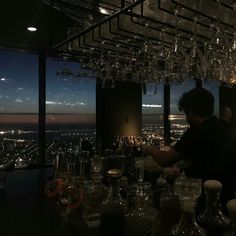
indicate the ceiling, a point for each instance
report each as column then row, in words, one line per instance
column 15, row 16
column 69, row 17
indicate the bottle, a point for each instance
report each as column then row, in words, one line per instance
column 169, row 211
column 94, row 194
column 188, row 190
column 161, row 186
column 187, row 224
column 85, row 164
column 212, row 218
column 231, row 207
column 142, row 219
column 124, row 187
column 113, row 208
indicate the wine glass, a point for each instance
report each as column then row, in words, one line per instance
column 139, row 166
column 97, row 166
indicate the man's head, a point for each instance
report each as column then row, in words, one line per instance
column 197, row 104
column 226, row 114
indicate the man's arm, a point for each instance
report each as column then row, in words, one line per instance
column 160, row 157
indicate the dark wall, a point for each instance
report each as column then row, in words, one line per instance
column 118, row 112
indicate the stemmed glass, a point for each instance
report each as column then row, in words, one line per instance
column 65, row 73
column 96, row 164
column 139, row 166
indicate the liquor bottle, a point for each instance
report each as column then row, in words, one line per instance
column 231, row 207
column 169, row 211
column 212, row 218
column 113, row 208
column 188, row 191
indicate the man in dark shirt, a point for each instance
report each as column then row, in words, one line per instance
column 203, row 143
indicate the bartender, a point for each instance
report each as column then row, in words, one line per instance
column 199, row 151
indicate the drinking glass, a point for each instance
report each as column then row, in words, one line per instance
column 139, row 166
column 96, row 166
column 95, row 194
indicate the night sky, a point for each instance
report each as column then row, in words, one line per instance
column 19, row 88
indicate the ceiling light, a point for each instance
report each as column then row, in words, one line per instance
column 103, row 11
column 31, row 29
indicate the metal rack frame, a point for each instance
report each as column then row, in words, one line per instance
column 123, row 33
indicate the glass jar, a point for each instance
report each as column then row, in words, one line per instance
column 188, row 190
column 113, row 208
column 212, row 218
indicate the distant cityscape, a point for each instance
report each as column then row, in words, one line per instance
column 19, row 140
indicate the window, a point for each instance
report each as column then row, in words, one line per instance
column 178, row 123
column 19, row 108
column 152, row 113
column 70, row 106
column 213, row 87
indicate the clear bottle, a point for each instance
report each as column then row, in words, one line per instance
column 187, row 224
column 188, row 191
column 85, row 164
column 212, row 218
column 113, row 208
column 169, row 210
column 231, row 207
column 142, row 219
column 161, row 186
column 94, row 194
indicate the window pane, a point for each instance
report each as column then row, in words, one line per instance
column 152, row 113
column 70, row 106
column 178, row 123
column 19, row 108
column 213, row 87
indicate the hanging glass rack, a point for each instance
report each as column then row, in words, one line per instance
column 151, row 40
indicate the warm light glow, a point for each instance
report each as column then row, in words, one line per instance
column 233, row 79
column 103, row 11
column 31, row 29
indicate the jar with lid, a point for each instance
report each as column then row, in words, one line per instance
column 212, row 218
column 188, row 190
